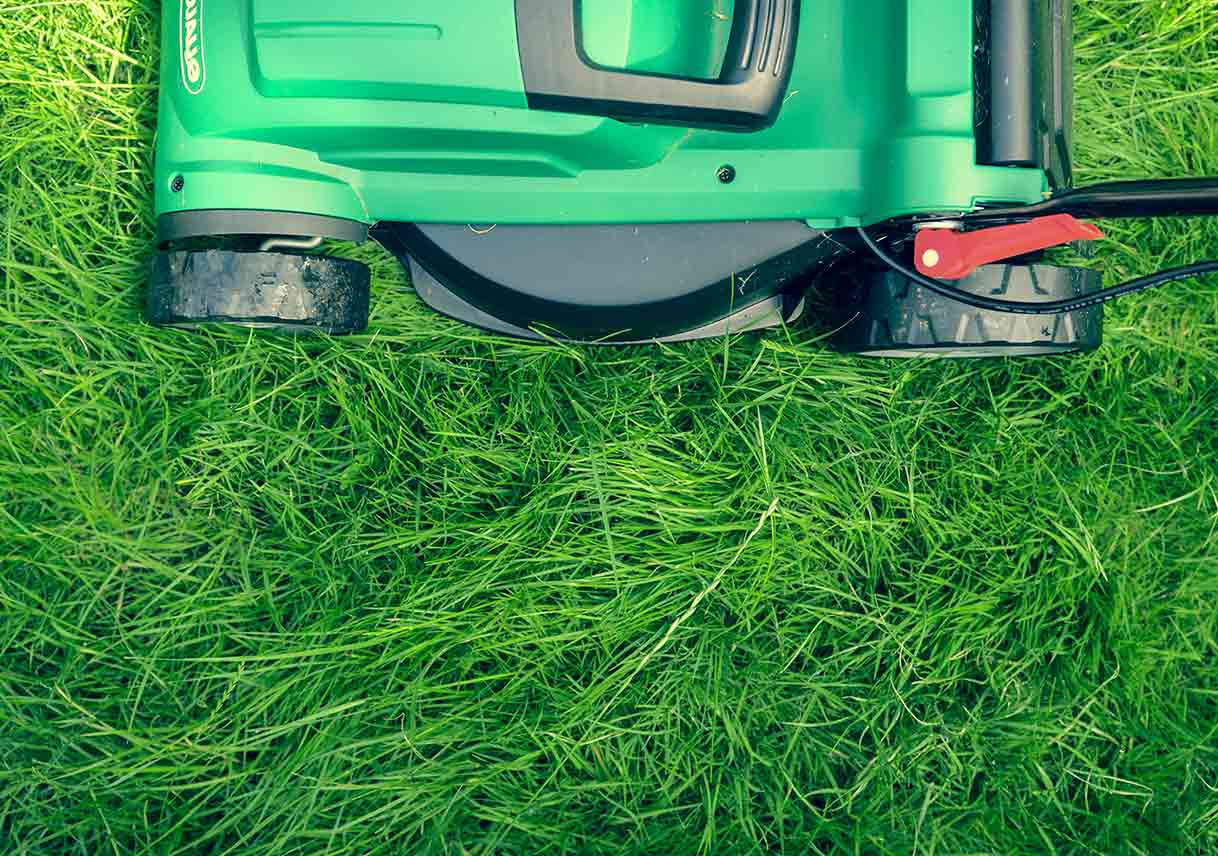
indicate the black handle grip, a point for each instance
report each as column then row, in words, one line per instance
column 747, row 96
column 1114, row 200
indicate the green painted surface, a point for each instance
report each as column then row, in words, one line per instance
column 395, row 113
column 462, row 52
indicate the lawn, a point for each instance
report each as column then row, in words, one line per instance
column 430, row 591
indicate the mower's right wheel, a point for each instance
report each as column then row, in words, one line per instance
column 281, row 291
column 886, row 315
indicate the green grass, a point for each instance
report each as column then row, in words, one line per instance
column 427, row 591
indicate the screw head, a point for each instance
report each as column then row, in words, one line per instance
column 178, row 183
column 727, row 173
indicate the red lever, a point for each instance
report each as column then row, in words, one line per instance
column 947, row 254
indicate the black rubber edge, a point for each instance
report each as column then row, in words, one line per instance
column 280, row 290
column 884, row 314
column 178, row 225
column 747, row 96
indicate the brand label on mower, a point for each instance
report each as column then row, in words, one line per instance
column 190, row 39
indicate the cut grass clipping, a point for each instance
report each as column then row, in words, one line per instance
column 428, row 591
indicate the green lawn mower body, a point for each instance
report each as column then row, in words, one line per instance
column 417, row 112
column 605, row 170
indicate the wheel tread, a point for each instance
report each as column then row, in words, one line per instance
column 188, row 287
column 893, row 314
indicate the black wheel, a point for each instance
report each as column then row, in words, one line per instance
column 274, row 290
column 883, row 314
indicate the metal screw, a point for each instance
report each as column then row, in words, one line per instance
column 177, row 184
column 727, row 173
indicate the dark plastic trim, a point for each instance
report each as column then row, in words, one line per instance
column 748, row 95
column 769, row 313
column 643, row 317
column 214, row 222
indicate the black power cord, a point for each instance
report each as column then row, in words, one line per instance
column 1052, row 307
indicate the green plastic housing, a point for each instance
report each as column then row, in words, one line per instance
column 369, row 111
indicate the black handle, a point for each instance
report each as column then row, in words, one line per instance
column 1176, row 197
column 747, row 96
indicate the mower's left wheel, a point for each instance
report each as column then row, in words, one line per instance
column 883, row 314
column 272, row 290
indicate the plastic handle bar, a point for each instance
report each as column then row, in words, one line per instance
column 747, row 96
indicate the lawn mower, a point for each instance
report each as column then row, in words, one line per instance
column 624, row 171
